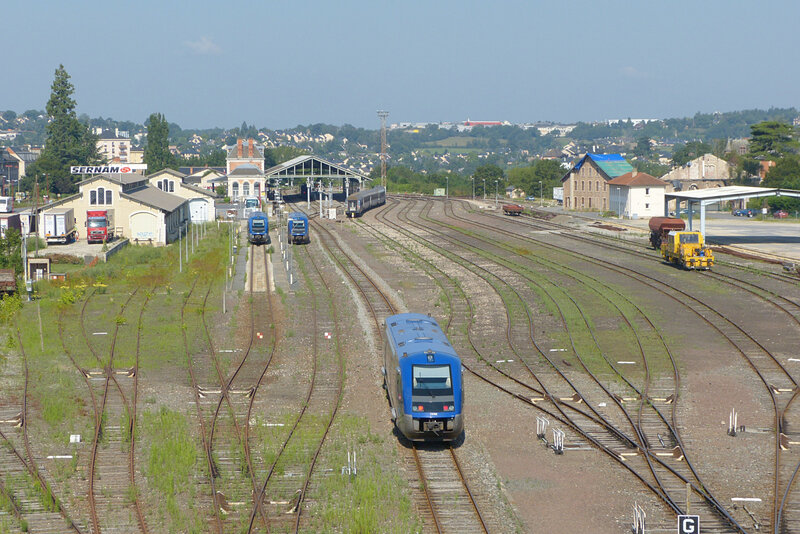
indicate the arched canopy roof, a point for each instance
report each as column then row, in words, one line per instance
column 314, row 167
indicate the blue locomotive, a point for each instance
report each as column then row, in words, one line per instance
column 258, row 228
column 358, row 203
column 423, row 378
column 297, row 228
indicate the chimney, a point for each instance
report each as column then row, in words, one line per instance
column 249, row 148
column 239, row 148
column 634, row 173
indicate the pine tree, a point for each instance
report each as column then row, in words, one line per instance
column 69, row 142
column 156, row 153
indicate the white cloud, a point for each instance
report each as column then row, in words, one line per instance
column 204, row 46
column 634, row 73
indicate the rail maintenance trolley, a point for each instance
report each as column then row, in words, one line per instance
column 258, row 228
column 297, row 230
column 423, row 378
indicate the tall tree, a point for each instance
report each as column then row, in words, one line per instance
column 643, row 148
column 772, row 140
column 156, row 152
column 69, row 142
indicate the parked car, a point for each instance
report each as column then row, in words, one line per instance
column 530, row 198
column 747, row 212
column 780, row 214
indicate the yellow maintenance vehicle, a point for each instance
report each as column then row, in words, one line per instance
column 688, row 250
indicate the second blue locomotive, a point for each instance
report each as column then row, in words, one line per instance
column 258, row 228
column 423, row 378
column 297, row 228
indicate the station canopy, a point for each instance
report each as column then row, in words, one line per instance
column 705, row 197
column 313, row 168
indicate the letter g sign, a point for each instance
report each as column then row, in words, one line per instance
column 688, row 524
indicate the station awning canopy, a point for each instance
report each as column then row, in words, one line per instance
column 704, row 197
column 313, row 168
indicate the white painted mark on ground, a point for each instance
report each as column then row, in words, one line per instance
column 794, row 360
column 602, row 405
column 99, row 333
column 558, row 350
column 60, row 457
column 627, row 363
column 503, row 361
column 746, row 499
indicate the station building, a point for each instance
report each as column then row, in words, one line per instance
column 245, row 170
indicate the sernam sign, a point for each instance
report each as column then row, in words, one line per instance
column 108, row 169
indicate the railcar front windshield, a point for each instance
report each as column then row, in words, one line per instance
column 690, row 239
column 298, row 226
column 251, row 203
column 257, row 225
column 432, row 389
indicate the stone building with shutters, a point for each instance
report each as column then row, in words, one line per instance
column 586, row 183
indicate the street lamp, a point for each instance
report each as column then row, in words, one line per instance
column 495, row 192
column 484, row 189
column 541, row 191
column 473, row 188
column 447, row 187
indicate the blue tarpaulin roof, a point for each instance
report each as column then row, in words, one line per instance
column 612, row 164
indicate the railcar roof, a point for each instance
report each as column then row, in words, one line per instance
column 297, row 215
column 258, row 214
column 415, row 333
column 366, row 192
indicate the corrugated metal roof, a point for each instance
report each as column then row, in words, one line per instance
column 156, row 198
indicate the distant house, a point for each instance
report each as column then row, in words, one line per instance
column 701, row 173
column 636, row 195
column 514, row 192
column 704, row 172
column 202, row 176
column 114, row 146
column 586, row 184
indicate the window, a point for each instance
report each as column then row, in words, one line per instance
column 160, row 185
column 432, row 388
column 171, row 186
column 646, row 190
column 108, row 196
column 590, row 186
column 92, row 197
column 590, row 202
column 245, row 189
column 235, row 189
column 101, row 195
column 582, row 201
column 604, row 186
column 597, row 185
column 647, row 206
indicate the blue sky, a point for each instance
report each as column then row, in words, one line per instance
column 280, row 63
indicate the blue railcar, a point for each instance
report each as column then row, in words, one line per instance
column 423, row 378
column 297, row 228
column 258, row 228
column 358, row 203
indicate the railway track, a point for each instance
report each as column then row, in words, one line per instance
column 640, row 424
column 440, row 499
column 769, row 370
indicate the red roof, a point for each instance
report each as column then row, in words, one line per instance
column 637, row 179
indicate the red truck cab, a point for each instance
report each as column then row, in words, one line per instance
column 99, row 226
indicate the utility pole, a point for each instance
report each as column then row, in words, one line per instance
column 383, row 114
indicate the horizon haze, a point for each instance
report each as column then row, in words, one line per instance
column 280, row 65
